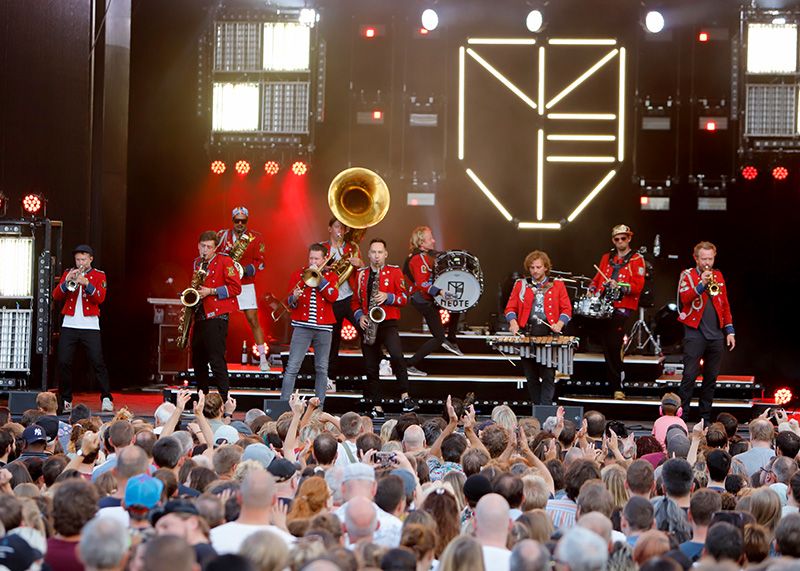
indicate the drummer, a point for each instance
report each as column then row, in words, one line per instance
column 418, row 268
column 540, row 306
column 619, row 279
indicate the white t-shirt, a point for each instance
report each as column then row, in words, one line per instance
column 342, row 458
column 79, row 320
column 228, row 537
column 495, row 558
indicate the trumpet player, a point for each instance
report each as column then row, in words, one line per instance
column 217, row 300
column 707, row 325
column 311, row 300
column 252, row 261
column 83, row 290
column 380, row 293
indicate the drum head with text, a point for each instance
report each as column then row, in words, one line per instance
column 465, row 287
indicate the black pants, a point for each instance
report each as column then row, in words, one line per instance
column 388, row 337
column 612, row 333
column 208, row 348
column 430, row 311
column 696, row 347
column 540, row 392
column 67, row 344
column 341, row 310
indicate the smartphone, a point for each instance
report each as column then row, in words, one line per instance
column 385, row 458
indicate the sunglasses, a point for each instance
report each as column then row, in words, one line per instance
column 240, row 220
column 621, row 238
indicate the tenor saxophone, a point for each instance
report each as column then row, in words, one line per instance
column 190, row 297
column 375, row 314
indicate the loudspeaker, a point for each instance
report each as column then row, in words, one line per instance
column 573, row 413
column 20, row 401
column 276, row 407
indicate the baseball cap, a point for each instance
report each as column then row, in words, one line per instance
column 409, row 483
column 677, row 441
column 16, row 554
column 358, row 471
column 241, row 427
column 226, row 434
column 261, row 453
column 671, row 399
column 173, row 507
column 34, row 433
column 83, row 249
column 143, row 491
column 50, row 425
column 282, row 469
column 621, row 229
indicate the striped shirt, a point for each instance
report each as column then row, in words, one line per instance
column 312, row 315
column 562, row 513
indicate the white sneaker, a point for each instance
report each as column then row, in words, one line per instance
column 452, row 347
column 330, row 387
column 414, row 372
column 107, row 405
column 263, row 364
column 385, row 369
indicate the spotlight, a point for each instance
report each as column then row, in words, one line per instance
column 783, row 396
column 348, row 331
column 430, row 19
column 654, row 22
column 702, row 37
column 32, row 204
column 308, row 17
column 710, row 125
column 271, row 167
column 444, row 315
column 780, row 173
column 299, row 168
column 217, row 167
column 377, row 114
column 534, row 20
column 242, row 167
column 749, row 172
column 254, row 349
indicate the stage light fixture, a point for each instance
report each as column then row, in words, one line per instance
column 771, row 48
column 287, row 47
column 644, row 200
column 534, row 21
column 377, row 114
column 32, row 204
column 654, row 21
column 348, row 332
column 16, row 266
column 702, row 37
column 783, row 396
column 371, row 31
column 242, row 167
column 254, row 350
column 423, row 31
column 299, row 168
column 749, row 172
column 308, row 17
column 235, row 107
column 430, row 19
column 444, row 315
column 710, row 125
column 780, row 173
column 272, row 167
column 217, row 167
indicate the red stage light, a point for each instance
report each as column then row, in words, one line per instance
column 643, row 200
column 32, row 203
column 217, row 167
column 271, row 167
column 242, row 167
column 254, row 349
column 348, row 331
column 783, row 396
column 702, row 37
column 749, row 172
column 299, row 168
column 377, row 114
column 444, row 315
column 423, row 31
column 780, row 173
column 369, row 32
column 711, row 126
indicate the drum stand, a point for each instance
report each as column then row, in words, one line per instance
column 644, row 337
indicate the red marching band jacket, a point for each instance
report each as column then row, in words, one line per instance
column 327, row 292
column 631, row 273
column 556, row 302
column 349, row 250
column 224, row 279
column 253, row 258
column 391, row 282
column 421, row 265
column 693, row 297
column 94, row 293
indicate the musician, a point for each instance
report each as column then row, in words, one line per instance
column 252, row 261
column 312, row 319
column 217, row 300
column 707, row 325
column 342, row 309
column 419, row 268
column 540, row 306
column 620, row 279
column 81, row 324
column 381, row 285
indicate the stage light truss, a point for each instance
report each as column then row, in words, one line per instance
column 235, row 107
column 286, row 107
column 771, row 111
column 605, row 151
column 16, row 267
column 771, row 48
column 287, row 46
column 15, row 339
column 237, row 46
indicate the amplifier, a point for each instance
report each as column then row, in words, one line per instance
column 170, row 358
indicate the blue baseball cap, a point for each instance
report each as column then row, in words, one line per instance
column 143, row 491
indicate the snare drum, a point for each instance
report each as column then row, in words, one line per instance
column 593, row 306
column 459, row 273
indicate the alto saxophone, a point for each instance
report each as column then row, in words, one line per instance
column 238, row 251
column 190, row 297
column 375, row 313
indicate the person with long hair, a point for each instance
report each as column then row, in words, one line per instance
column 464, row 553
column 313, row 498
column 442, row 505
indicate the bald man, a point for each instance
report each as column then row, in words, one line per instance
column 413, row 439
column 529, row 555
column 492, row 523
column 257, row 497
column 360, row 521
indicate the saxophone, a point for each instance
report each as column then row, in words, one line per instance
column 190, row 297
column 237, row 251
column 375, row 314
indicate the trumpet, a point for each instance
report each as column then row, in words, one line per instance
column 713, row 286
column 73, row 285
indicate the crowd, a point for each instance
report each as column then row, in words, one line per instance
column 207, row 487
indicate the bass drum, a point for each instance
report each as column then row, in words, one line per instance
column 459, row 273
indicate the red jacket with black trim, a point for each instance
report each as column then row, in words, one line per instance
column 93, row 294
column 631, row 274
column 693, row 296
column 327, row 292
column 392, row 283
column 223, row 278
column 421, row 266
column 556, row 302
column 252, row 260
